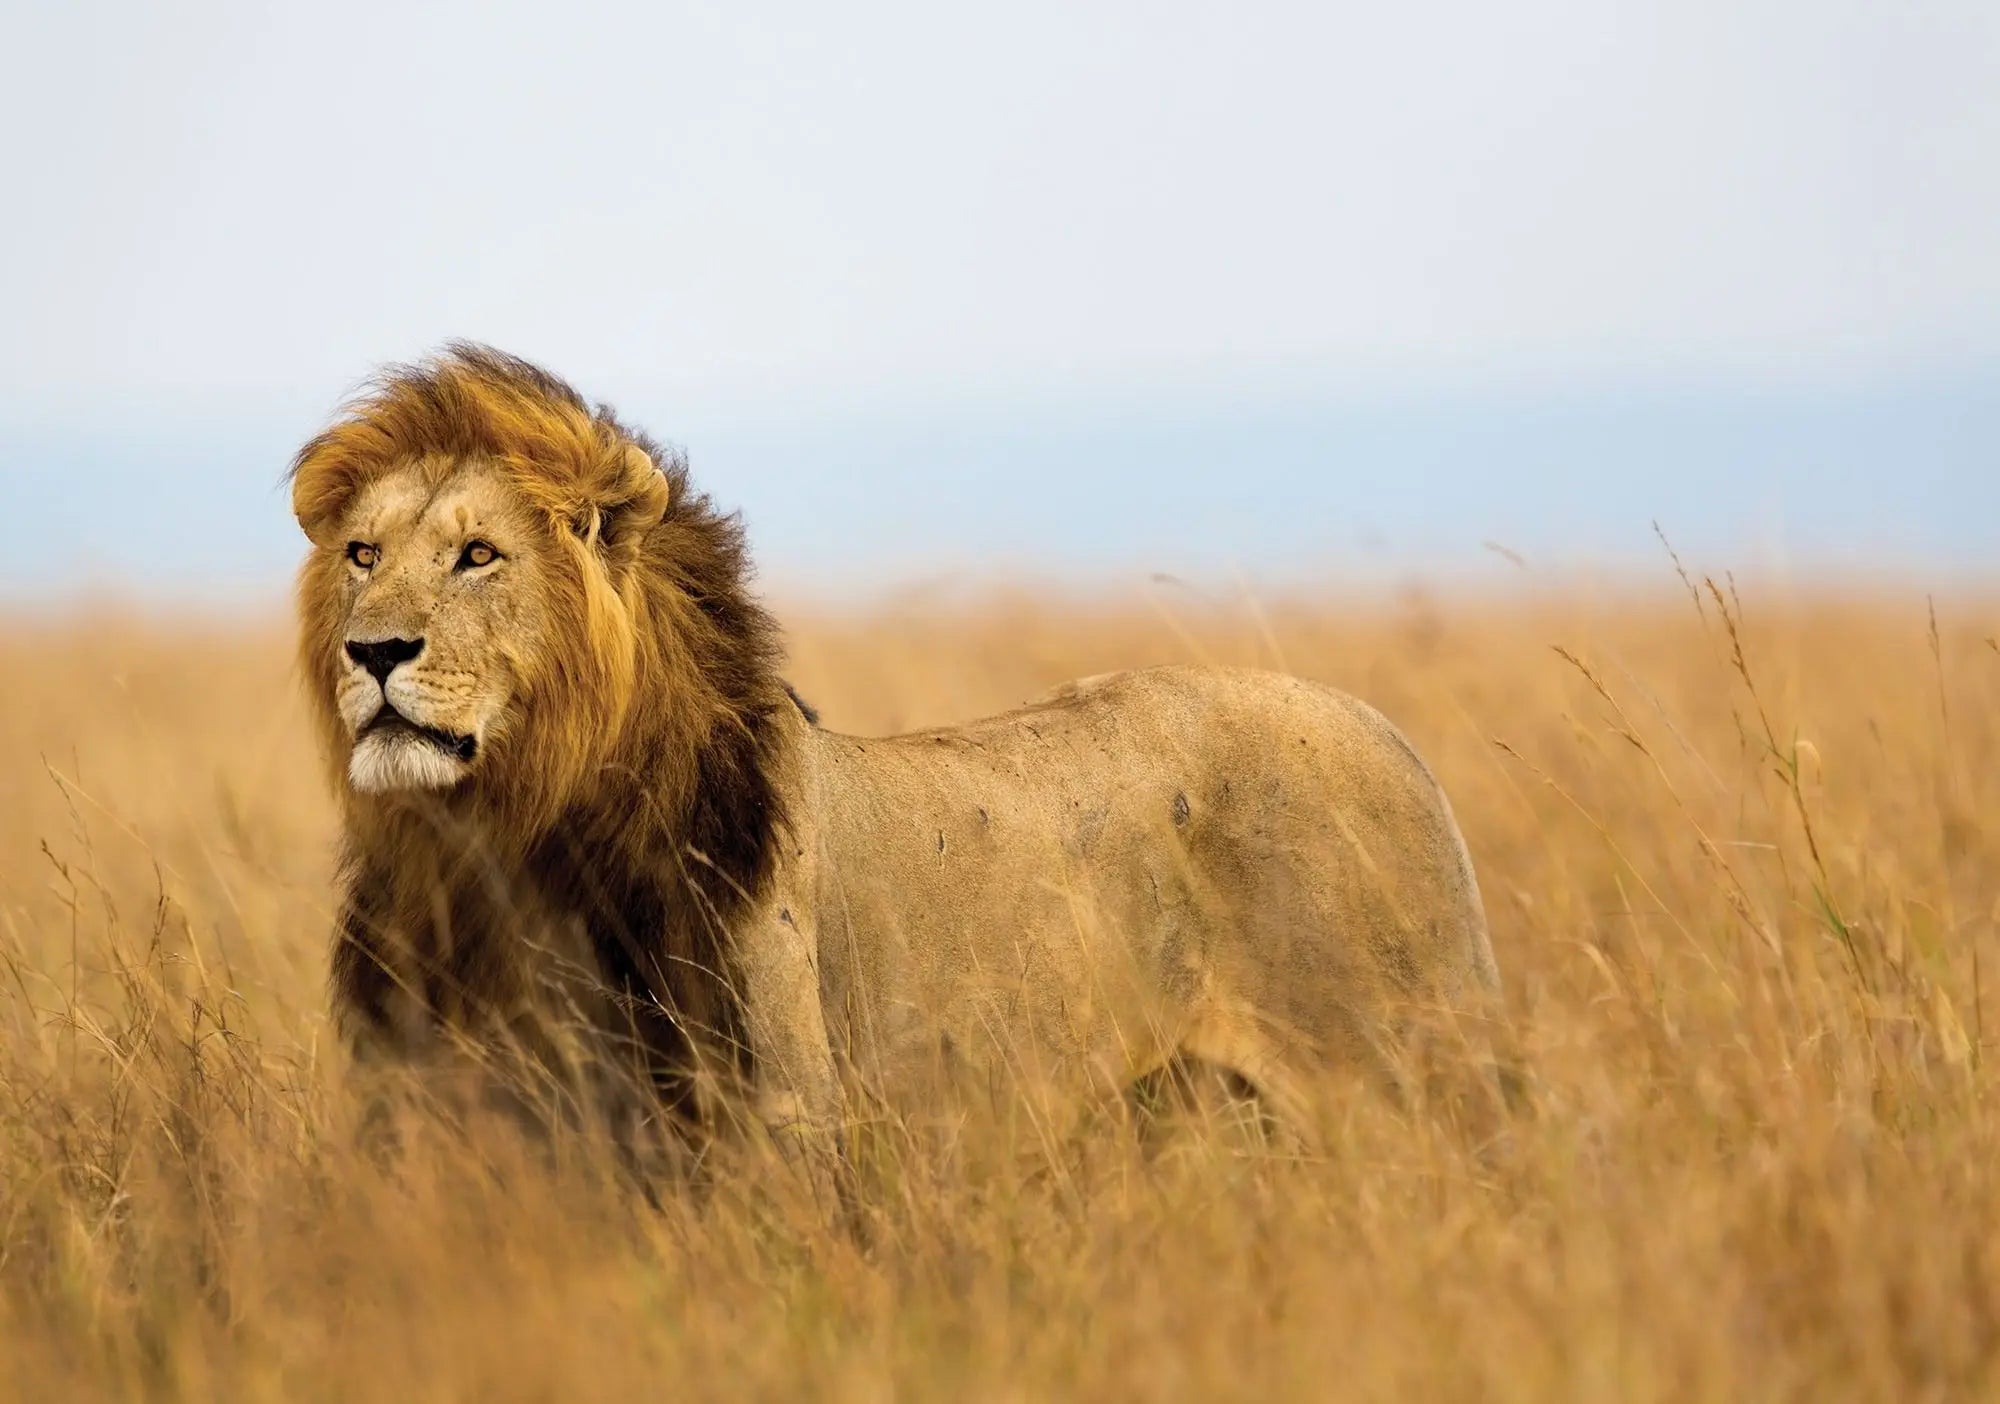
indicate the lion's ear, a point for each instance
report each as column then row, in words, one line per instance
column 631, row 505
column 320, row 491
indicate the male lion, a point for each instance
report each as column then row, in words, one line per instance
column 578, row 797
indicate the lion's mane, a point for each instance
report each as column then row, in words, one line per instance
column 641, row 789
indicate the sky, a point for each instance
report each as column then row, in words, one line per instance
column 1289, row 290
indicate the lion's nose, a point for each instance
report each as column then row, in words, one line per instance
column 380, row 656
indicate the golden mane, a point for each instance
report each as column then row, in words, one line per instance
column 477, row 403
column 655, row 726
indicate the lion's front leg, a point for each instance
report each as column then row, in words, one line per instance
column 795, row 1094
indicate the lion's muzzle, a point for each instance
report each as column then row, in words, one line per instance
column 399, row 741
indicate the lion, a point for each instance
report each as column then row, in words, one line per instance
column 576, row 794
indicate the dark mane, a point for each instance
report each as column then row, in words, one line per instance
column 663, row 889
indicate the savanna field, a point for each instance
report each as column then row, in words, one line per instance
column 1740, row 849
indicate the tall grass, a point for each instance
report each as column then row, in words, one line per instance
column 1742, row 858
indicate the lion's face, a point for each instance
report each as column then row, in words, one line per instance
column 467, row 612
column 442, row 595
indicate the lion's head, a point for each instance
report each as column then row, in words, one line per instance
column 506, row 588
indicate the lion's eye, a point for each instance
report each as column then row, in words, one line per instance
column 477, row 554
column 362, row 554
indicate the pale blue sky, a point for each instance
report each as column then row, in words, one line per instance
column 1300, row 289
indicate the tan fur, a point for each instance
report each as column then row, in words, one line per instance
column 651, row 841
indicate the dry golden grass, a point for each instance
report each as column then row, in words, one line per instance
column 1743, row 867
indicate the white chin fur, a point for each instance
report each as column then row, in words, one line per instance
column 382, row 763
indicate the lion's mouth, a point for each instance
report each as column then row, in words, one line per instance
column 390, row 722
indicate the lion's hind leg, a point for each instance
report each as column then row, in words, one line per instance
column 1187, row 1098
column 1228, row 1076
